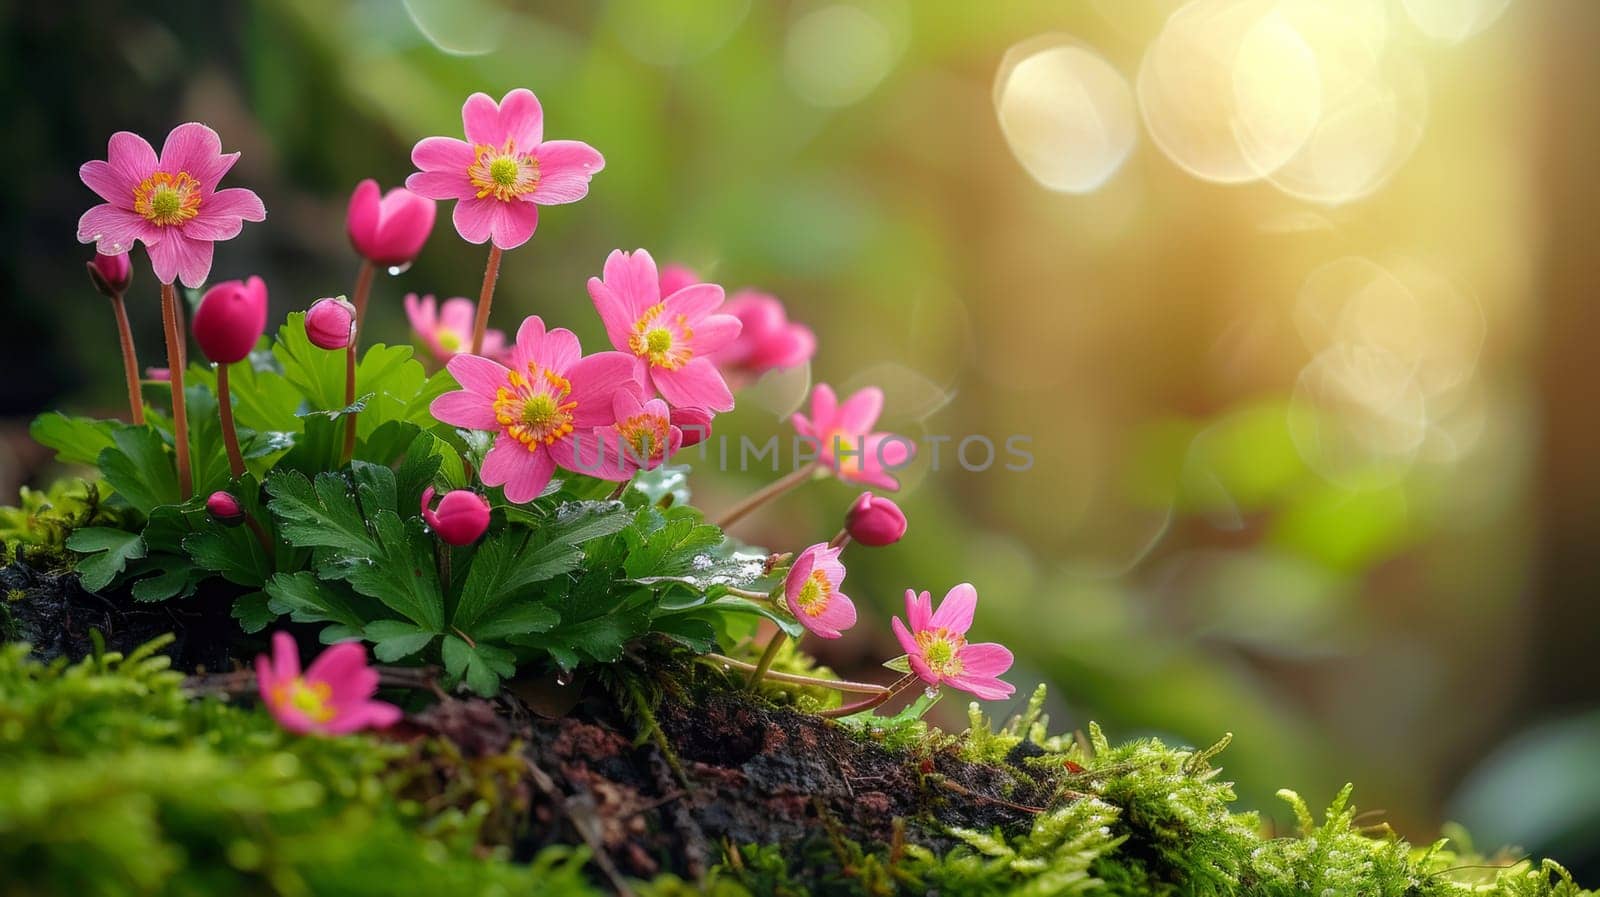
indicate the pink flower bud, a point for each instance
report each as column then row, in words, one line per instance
column 160, row 375
column 389, row 230
column 225, row 509
column 461, row 517
column 874, row 520
column 231, row 318
column 695, row 424
column 329, row 323
column 111, row 274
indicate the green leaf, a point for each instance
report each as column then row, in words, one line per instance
column 140, row 469
column 481, row 667
column 318, row 374
column 76, row 440
column 175, row 577
column 308, row 599
column 396, row 639
column 253, row 611
column 106, row 551
column 502, row 568
column 391, row 560
column 901, row 664
column 519, row 619
column 233, row 552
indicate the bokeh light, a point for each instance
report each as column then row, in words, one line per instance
column 835, row 55
column 1453, row 21
column 1067, row 115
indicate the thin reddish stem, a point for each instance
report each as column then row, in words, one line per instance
column 491, row 274
column 130, row 360
column 865, row 688
column 874, row 701
column 230, row 436
column 180, row 412
column 770, row 492
column 359, row 299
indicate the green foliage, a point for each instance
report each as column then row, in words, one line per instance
column 114, row 781
column 41, row 521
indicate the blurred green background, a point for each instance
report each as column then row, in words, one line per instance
column 1298, row 318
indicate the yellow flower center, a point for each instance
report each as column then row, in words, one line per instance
column 502, row 173
column 661, row 339
column 533, row 408
column 647, row 435
column 941, row 651
column 450, row 341
column 815, row 593
column 166, row 199
column 312, row 699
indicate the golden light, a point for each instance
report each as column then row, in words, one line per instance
column 1453, row 21
column 836, row 55
column 1067, row 115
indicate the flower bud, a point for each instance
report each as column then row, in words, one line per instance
column 874, row 520
column 388, row 230
column 230, row 320
column 330, row 322
column 159, row 375
column 225, row 509
column 461, row 517
column 695, row 424
column 111, row 274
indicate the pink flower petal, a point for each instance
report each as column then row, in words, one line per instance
column 474, row 218
column 859, row 413
column 461, row 408
column 985, row 660
column 799, row 571
column 366, row 715
column 478, row 374
column 675, row 278
column 339, row 663
column 694, row 301
column 614, row 313
column 197, row 150
column 838, row 615
column 100, row 177
column 514, row 223
column 115, row 230
column 517, row 117
column 443, row 155
column 361, row 215
column 595, row 381
column 919, row 609
column 556, row 349
column 285, row 655
column 223, row 213
column 458, row 314
column 442, row 185
column 632, row 278
column 524, row 473
column 985, row 689
column 565, row 167
column 908, row 641
column 697, row 384
column 955, row 611
column 823, row 407
column 131, row 159
column 713, row 332
column 176, row 257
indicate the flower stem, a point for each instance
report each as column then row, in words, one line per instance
column 491, row 273
column 865, row 688
column 180, row 412
column 749, row 594
column 130, row 361
column 230, row 436
column 767, row 656
column 840, row 540
column 770, row 492
column 359, row 300
column 261, row 534
column 870, row 703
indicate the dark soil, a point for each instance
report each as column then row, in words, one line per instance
column 751, row 774
column 52, row 612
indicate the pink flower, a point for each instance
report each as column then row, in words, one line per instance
column 461, row 517
column 231, row 318
column 111, row 274
column 447, row 329
column 225, row 509
column 769, row 341
column 846, row 442
column 695, row 424
column 159, row 375
column 171, row 204
column 329, row 323
column 388, row 230
column 671, row 337
column 812, row 592
column 936, row 645
column 549, row 393
column 334, row 697
column 643, row 437
column 504, row 170
column 676, row 277
column 875, row 520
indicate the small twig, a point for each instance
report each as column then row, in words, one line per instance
column 865, row 688
column 948, row 785
column 243, row 682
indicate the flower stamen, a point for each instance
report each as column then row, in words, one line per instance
column 504, row 174
column 533, row 408
column 941, row 651
column 167, row 199
column 313, row 700
column 664, row 341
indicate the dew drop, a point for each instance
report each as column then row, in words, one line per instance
column 931, row 692
column 564, row 678
column 396, row 270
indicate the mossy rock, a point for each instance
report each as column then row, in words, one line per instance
column 116, row 778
